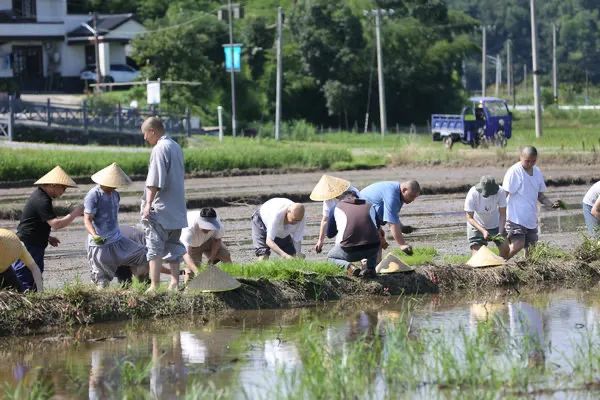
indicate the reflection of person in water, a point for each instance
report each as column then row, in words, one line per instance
column 526, row 322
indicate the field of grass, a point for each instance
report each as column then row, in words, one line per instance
column 569, row 137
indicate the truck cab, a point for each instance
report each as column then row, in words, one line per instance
column 483, row 121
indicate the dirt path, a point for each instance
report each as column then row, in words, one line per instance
column 439, row 217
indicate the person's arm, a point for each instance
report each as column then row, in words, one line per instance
column 150, row 196
column 189, row 262
column 322, row 230
column 298, row 247
column 89, row 226
column 545, row 201
column 59, row 223
column 502, row 227
column 276, row 249
column 215, row 246
column 596, row 208
column 396, row 230
column 477, row 225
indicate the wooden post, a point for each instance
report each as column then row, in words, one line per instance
column 48, row 112
column 85, row 117
column 11, row 118
column 188, row 122
column 118, row 120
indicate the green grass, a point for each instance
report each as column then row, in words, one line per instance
column 421, row 256
column 280, row 270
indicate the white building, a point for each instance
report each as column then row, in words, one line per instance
column 42, row 47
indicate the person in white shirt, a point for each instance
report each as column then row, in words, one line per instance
column 591, row 210
column 203, row 236
column 485, row 208
column 278, row 226
column 525, row 186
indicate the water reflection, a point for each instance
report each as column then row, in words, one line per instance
column 254, row 351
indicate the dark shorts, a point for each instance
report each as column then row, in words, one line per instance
column 476, row 238
column 259, row 238
column 519, row 232
column 9, row 280
column 23, row 273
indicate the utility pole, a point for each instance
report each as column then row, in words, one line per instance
column 483, row 59
column 498, row 74
column 279, row 74
column 554, row 66
column 382, row 110
column 232, row 74
column 525, row 78
column 508, row 69
column 536, row 72
column 96, row 51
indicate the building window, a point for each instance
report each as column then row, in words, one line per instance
column 24, row 8
column 90, row 54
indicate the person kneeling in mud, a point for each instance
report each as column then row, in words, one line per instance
column 353, row 222
column 485, row 208
column 107, row 248
column 203, row 236
column 278, row 225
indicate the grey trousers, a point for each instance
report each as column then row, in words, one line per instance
column 343, row 257
column 259, row 238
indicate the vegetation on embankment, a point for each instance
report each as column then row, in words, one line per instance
column 286, row 283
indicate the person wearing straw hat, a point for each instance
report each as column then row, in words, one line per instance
column 39, row 217
column 525, row 187
column 485, row 208
column 107, row 248
column 203, row 236
column 11, row 249
column 278, row 226
column 329, row 189
column 354, row 225
column 164, row 212
column 388, row 198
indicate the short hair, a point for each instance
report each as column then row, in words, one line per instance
column 208, row 212
column 529, row 151
column 153, row 123
column 348, row 195
column 413, row 186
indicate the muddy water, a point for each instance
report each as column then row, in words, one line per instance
column 248, row 352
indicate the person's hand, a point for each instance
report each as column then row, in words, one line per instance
column 98, row 239
column 503, row 233
column 77, row 211
column 384, row 243
column 288, row 257
column 486, row 234
column 319, row 246
column 53, row 241
column 407, row 249
column 301, row 256
column 146, row 211
column 559, row 204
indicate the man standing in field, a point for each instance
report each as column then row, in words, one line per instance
column 164, row 212
column 278, row 226
column 388, row 198
column 485, row 207
column 39, row 217
column 525, row 186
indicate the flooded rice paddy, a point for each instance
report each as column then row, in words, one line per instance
column 505, row 344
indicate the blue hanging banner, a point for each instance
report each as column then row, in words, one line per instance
column 233, row 55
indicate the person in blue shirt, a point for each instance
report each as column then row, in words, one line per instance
column 387, row 198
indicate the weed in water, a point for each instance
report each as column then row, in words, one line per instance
column 588, row 250
column 135, row 372
column 39, row 389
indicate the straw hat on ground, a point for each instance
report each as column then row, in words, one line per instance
column 213, row 280
column 485, row 258
column 57, row 176
column 111, row 176
column 329, row 187
column 392, row 264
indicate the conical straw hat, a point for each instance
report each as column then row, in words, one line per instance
column 111, row 176
column 485, row 258
column 392, row 264
column 213, row 280
column 57, row 176
column 329, row 187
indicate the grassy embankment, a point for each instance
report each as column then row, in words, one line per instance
column 281, row 283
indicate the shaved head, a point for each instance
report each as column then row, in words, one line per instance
column 295, row 213
column 528, row 158
column 410, row 190
column 529, row 151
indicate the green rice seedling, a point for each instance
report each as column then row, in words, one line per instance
column 497, row 239
column 420, row 256
column 135, row 372
column 543, row 253
column 296, row 269
column 39, row 389
column 588, row 250
column 455, row 259
column 201, row 390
